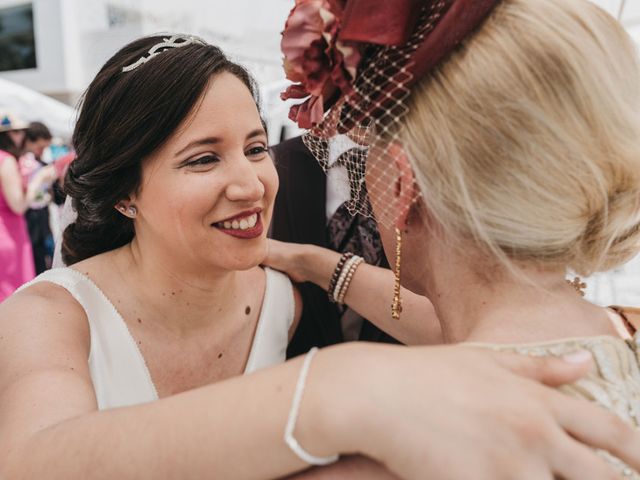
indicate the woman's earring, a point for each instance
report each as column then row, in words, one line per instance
column 129, row 211
column 578, row 285
column 396, row 306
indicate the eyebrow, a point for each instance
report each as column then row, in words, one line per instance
column 258, row 132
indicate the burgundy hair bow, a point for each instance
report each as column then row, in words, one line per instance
column 381, row 22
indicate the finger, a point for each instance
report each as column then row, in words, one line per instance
column 574, row 461
column 552, row 371
column 602, row 430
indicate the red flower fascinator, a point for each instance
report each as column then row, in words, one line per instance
column 328, row 44
column 353, row 63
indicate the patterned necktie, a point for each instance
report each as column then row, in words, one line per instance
column 354, row 233
column 359, row 235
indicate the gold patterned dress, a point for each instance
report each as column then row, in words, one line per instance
column 614, row 380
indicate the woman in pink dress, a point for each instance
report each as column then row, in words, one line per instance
column 16, row 257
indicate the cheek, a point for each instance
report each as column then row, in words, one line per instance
column 177, row 199
column 269, row 178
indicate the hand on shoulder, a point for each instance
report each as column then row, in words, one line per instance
column 458, row 399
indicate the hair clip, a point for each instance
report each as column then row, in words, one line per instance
column 174, row 42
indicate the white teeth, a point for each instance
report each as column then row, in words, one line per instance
column 242, row 224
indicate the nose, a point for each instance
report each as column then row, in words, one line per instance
column 245, row 184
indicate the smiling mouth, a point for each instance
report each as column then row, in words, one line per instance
column 241, row 224
column 244, row 227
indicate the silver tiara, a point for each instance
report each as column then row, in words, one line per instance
column 174, row 42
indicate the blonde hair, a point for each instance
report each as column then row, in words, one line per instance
column 527, row 138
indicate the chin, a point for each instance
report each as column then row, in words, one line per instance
column 244, row 258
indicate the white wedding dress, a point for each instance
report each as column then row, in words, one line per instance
column 118, row 370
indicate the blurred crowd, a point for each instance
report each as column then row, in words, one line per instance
column 32, row 167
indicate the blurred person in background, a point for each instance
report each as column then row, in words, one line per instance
column 16, row 257
column 37, row 141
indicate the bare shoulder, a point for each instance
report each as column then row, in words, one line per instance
column 41, row 315
column 39, row 298
column 8, row 166
column 8, row 160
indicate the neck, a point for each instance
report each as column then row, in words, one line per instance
column 180, row 298
column 500, row 307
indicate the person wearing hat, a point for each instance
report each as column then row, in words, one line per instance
column 16, row 257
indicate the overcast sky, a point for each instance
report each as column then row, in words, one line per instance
column 262, row 20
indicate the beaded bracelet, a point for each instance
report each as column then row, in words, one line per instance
column 347, row 281
column 336, row 274
column 343, row 277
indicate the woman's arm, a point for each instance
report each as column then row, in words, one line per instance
column 11, row 183
column 352, row 468
column 50, row 426
column 370, row 293
column 408, row 408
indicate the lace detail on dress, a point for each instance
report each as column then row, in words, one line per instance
column 613, row 383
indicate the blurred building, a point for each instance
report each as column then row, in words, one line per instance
column 57, row 46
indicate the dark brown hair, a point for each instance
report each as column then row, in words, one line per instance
column 7, row 145
column 36, row 131
column 124, row 117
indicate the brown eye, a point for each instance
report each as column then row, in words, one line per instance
column 205, row 160
column 256, row 151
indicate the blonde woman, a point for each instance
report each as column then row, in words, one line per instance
column 515, row 158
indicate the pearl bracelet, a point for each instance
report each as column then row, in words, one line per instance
column 343, row 277
column 344, row 273
column 353, row 266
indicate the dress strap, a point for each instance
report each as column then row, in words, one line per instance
column 71, row 281
column 272, row 332
column 118, row 370
column 630, row 316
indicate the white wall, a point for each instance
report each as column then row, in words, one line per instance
column 49, row 76
column 60, row 27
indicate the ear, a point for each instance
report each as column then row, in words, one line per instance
column 125, row 207
column 405, row 187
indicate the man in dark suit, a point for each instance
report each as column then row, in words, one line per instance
column 303, row 215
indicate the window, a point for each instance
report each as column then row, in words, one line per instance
column 17, row 38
